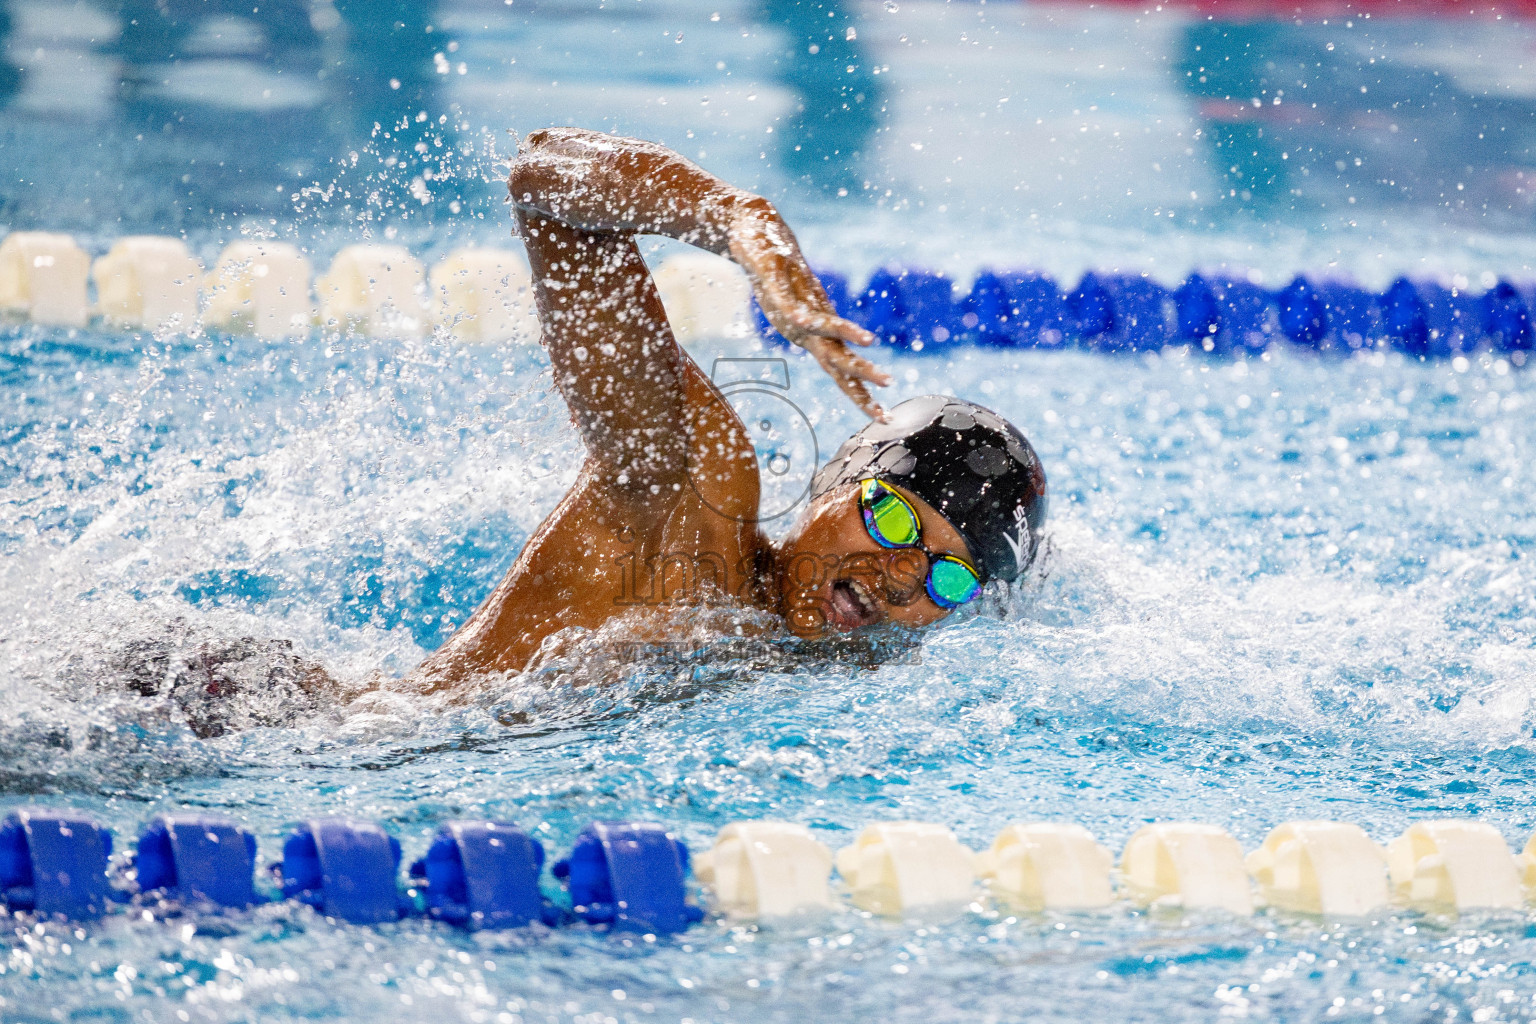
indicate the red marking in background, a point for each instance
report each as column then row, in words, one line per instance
column 1237, row 111
column 1258, row 10
column 1240, row 112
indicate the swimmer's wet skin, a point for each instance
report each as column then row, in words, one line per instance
column 670, row 479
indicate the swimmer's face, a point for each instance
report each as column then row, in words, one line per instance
column 837, row 578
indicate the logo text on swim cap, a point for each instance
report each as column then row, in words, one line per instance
column 1022, row 542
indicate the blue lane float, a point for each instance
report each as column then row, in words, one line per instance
column 1354, row 317
column 1039, row 311
column 1405, row 317
column 54, row 862
column 1303, row 313
column 344, row 869
column 882, row 309
column 1197, row 319
column 483, row 874
column 197, row 860
column 1141, row 313
column 1507, row 318
column 630, row 875
column 1091, row 310
column 1245, row 315
column 921, row 311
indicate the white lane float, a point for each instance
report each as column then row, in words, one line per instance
column 1186, row 865
column 261, row 288
column 766, row 869
column 1454, row 865
column 148, row 282
column 375, row 290
column 1525, row 864
column 43, row 277
column 901, row 867
column 707, row 297
column 1048, row 866
column 485, row 295
column 1321, row 867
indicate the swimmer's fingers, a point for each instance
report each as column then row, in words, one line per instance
column 827, row 336
column 856, row 366
column 862, row 398
column 800, row 319
column 787, row 290
column 796, row 304
column 853, row 373
column 804, row 323
column 858, row 391
column 840, row 362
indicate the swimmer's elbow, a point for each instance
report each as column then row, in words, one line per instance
column 564, row 140
column 527, row 179
column 533, row 170
column 547, row 158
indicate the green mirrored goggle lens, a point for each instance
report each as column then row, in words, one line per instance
column 891, row 522
column 951, row 582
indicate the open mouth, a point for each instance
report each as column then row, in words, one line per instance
column 850, row 605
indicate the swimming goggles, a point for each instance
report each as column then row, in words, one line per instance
column 893, row 523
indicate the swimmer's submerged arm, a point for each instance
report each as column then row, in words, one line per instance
column 577, row 192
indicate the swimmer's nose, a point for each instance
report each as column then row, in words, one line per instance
column 905, row 571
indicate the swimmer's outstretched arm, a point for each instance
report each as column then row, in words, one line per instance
column 568, row 183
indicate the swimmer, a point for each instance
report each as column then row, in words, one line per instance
column 911, row 518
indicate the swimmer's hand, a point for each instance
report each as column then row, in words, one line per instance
column 795, row 303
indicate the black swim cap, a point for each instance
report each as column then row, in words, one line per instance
column 964, row 460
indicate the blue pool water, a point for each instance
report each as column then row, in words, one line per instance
column 1277, row 587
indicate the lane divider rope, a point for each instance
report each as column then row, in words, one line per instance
column 920, row 311
column 633, row 876
column 484, row 295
